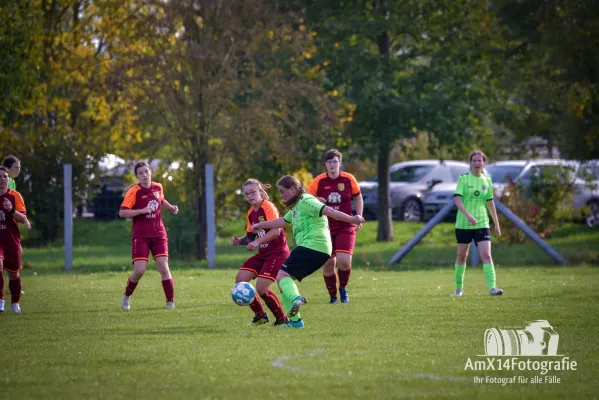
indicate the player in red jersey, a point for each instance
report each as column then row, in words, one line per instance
column 12, row 213
column 144, row 202
column 337, row 189
column 272, row 252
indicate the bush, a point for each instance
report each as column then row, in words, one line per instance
column 544, row 204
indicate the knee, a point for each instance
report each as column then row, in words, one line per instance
column 13, row 276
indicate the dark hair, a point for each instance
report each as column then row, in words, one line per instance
column 3, row 168
column 289, row 182
column 261, row 187
column 478, row 153
column 140, row 164
column 330, row 154
column 9, row 161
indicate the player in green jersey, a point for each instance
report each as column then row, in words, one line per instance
column 308, row 219
column 473, row 198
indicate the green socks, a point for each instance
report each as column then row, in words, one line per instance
column 490, row 275
column 460, row 270
column 288, row 293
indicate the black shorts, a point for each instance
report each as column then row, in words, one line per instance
column 303, row 262
column 466, row 236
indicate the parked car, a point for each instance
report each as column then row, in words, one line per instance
column 518, row 171
column 590, row 194
column 410, row 181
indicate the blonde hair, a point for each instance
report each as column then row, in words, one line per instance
column 261, row 187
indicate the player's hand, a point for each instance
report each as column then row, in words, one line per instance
column 255, row 227
column 471, row 220
column 235, row 241
column 358, row 227
column 175, row 209
column 322, row 200
column 7, row 204
column 497, row 231
column 146, row 210
column 358, row 219
column 252, row 245
column 27, row 225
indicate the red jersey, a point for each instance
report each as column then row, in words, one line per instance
column 137, row 198
column 338, row 192
column 267, row 212
column 9, row 228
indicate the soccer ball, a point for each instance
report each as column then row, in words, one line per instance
column 243, row 293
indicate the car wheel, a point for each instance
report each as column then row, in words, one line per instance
column 592, row 219
column 412, row 210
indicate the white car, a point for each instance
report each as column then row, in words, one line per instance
column 590, row 194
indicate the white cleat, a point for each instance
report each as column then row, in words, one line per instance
column 15, row 307
column 496, row 292
column 458, row 293
column 125, row 304
column 1, row 305
column 170, row 305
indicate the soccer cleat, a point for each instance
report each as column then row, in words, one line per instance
column 294, row 324
column 170, row 305
column 125, row 304
column 332, row 300
column 496, row 292
column 344, row 295
column 458, row 292
column 15, row 307
column 295, row 306
column 1, row 305
column 260, row 319
column 281, row 322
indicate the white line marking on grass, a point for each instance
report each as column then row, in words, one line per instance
column 281, row 363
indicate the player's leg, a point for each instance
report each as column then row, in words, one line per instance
column 159, row 249
column 12, row 264
column 344, row 243
column 483, row 240
column 330, row 278
column 139, row 254
column 463, row 238
column 1, row 284
column 248, row 272
column 268, row 274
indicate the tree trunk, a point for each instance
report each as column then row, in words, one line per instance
column 385, row 228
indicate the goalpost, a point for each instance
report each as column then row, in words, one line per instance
column 503, row 209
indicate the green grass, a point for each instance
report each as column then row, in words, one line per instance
column 401, row 336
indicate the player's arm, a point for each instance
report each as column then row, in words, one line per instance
column 19, row 216
column 275, row 223
column 244, row 240
column 128, row 213
column 172, row 208
column 493, row 211
column 359, row 201
column 460, row 206
column 341, row 216
column 270, row 235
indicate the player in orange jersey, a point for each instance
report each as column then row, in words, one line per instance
column 144, row 202
column 12, row 213
column 337, row 189
column 272, row 252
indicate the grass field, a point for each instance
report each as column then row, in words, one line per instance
column 401, row 336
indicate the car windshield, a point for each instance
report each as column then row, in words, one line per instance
column 408, row 174
column 500, row 173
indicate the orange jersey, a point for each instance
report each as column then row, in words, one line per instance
column 267, row 212
column 9, row 228
column 338, row 193
column 137, row 198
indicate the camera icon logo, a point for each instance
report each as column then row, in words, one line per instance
column 537, row 339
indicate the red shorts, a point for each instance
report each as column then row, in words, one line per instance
column 344, row 240
column 141, row 248
column 266, row 267
column 11, row 256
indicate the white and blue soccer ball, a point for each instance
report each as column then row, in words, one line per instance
column 243, row 293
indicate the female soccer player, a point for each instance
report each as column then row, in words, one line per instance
column 473, row 197
column 13, row 165
column 336, row 189
column 307, row 216
column 143, row 202
column 12, row 212
column 272, row 252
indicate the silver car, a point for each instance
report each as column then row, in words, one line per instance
column 410, row 181
column 589, row 195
